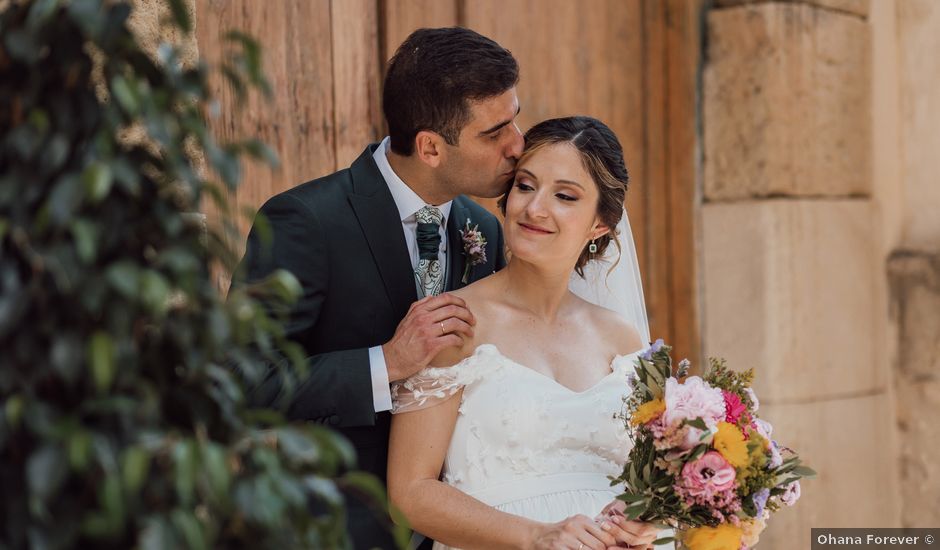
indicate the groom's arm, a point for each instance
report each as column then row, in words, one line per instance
column 337, row 388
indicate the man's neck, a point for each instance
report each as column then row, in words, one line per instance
column 418, row 178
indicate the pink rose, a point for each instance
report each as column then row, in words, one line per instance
column 693, row 399
column 707, row 475
column 734, row 408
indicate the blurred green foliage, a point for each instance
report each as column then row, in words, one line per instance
column 122, row 419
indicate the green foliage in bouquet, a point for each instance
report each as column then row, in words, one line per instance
column 122, row 419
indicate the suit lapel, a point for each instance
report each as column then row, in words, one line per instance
column 456, row 260
column 378, row 216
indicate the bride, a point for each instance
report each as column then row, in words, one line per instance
column 507, row 442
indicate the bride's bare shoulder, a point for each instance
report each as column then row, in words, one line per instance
column 612, row 327
column 478, row 298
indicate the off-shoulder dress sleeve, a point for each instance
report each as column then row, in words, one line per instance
column 434, row 385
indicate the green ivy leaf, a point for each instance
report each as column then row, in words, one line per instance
column 125, row 95
column 101, row 354
column 46, row 470
column 85, row 233
column 187, row 525
column 13, row 409
column 154, row 290
column 97, row 179
column 216, row 470
column 40, row 12
column 79, row 449
column 124, row 277
column 184, row 471
column 181, row 15
column 135, row 463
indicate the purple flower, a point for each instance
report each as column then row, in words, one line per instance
column 760, row 501
column 657, row 345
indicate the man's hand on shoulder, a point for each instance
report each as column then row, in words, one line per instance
column 432, row 324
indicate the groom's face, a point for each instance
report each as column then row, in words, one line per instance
column 484, row 160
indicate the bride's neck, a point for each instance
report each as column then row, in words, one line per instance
column 535, row 289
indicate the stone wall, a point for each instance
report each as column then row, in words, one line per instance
column 913, row 266
column 794, row 280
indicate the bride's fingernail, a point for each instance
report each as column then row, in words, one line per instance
column 616, row 519
column 605, row 526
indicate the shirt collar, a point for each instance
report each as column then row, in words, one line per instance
column 407, row 201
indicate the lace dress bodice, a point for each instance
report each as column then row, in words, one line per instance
column 523, row 442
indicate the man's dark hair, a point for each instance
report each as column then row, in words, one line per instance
column 432, row 78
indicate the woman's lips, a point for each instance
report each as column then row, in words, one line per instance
column 534, row 229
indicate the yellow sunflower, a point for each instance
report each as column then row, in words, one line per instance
column 729, row 441
column 722, row 537
column 648, row 411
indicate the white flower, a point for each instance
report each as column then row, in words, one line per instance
column 753, row 397
column 776, row 459
column 764, row 428
column 792, row 494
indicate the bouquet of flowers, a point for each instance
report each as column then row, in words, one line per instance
column 702, row 461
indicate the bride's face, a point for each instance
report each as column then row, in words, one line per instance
column 551, row 210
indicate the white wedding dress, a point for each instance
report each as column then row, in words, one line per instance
column 523, row 443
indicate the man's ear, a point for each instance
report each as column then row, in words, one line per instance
column 429, row 147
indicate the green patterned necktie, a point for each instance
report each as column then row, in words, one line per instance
column 429, row 274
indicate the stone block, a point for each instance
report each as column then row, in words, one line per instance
column 850, row 444
column 855, row 7
column 919, row 436
column 915, row 307
column 787, row 103
column 789, row 289
column 918, row 32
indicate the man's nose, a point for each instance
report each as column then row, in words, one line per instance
column 516, row 144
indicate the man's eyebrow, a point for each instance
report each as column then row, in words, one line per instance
column 501, row 124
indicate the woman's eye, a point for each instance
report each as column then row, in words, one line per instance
column 565, row 197
column 522, row 186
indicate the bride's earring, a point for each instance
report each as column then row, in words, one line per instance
column 592, row 248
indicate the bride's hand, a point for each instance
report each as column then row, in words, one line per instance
column 575, row 533
column 629, row 534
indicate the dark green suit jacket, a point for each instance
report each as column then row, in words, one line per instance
column 341, row 236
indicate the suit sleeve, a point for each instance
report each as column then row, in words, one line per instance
column 337, row 387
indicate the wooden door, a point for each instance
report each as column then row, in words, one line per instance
column 631, row 63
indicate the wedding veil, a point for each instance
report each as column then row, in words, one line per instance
column 616, row 285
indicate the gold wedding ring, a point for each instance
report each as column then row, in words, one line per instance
column 442, row 329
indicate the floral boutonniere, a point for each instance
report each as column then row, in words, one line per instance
column 474, row 248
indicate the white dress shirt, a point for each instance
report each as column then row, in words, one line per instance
column 408, row 203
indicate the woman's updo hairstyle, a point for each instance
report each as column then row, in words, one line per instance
column 602, row 157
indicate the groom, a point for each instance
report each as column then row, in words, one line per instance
column 375, row 245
